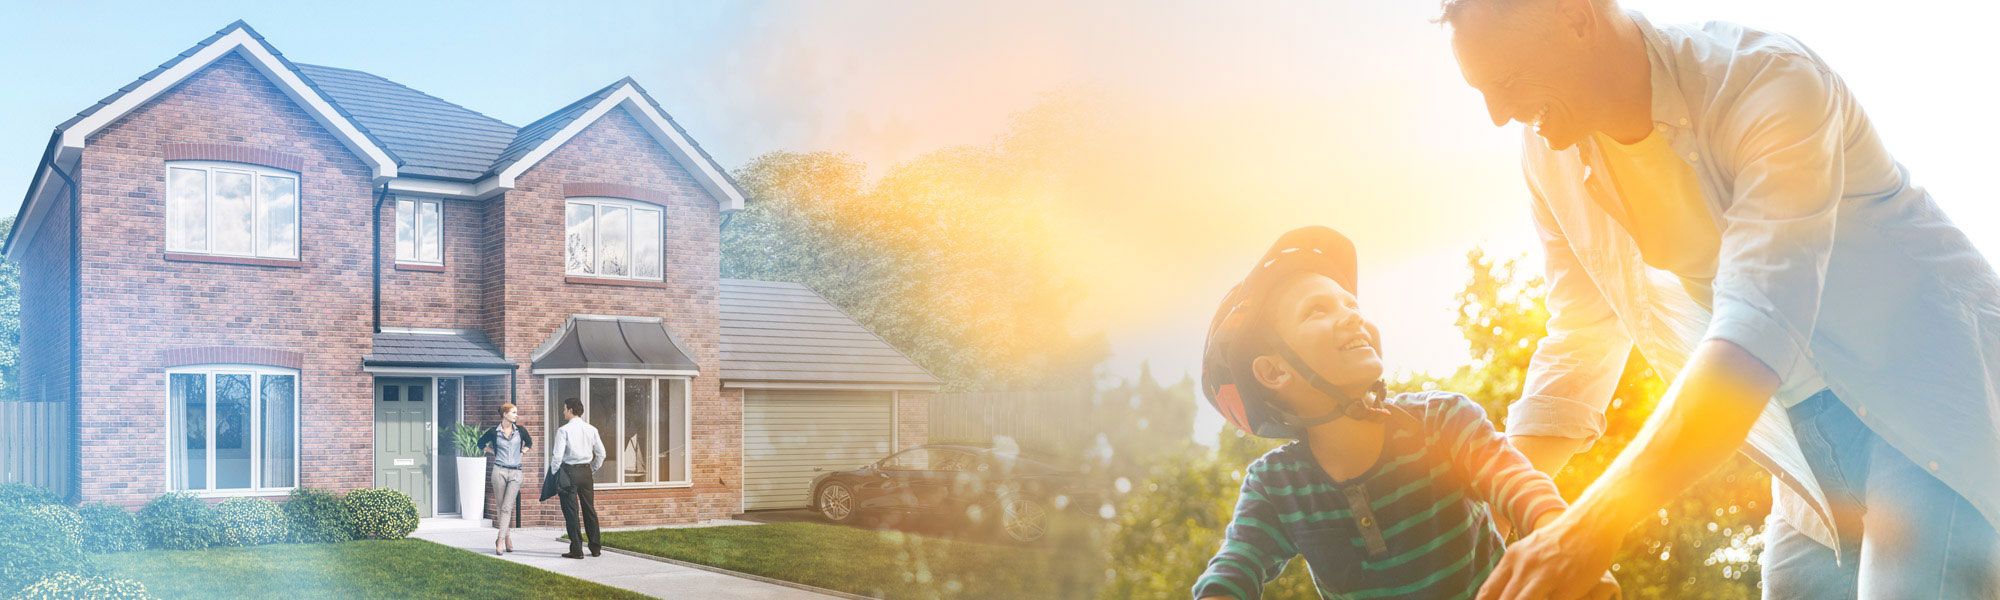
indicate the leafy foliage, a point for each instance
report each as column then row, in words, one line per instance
column 380, row 514
column 940, row 258
column 71, row 586
column 10, row 322
column 24, row 495
column 179, row 521
column 109, row 528
column 63, row 518
column 34, row 546
column 465, row 439
column 251, row 522
column 317, row 516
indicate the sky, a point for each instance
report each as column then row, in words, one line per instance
column 1231, row 122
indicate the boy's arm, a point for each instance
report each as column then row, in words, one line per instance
column 1254, row 547
column 1497, row 472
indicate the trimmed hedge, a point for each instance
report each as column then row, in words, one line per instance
column 33, row 547
column 179, row 521
column 251, row 522
column 109, row 528
column 317, row 516
column 380, row 514
column 22, row 495
column 71, row 586
column 65, row 520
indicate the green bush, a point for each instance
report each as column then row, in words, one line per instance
column 71, row 586
column 24, row 495
column 380, row 514
column 179, row 521
column 317, row 516
column 109, row 528
column 32, row 547
column 251, row 522
column 65, row 519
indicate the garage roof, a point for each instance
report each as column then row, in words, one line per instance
column 595, row 343
column 784, row 332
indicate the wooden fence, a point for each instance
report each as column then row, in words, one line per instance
column 35, row 444
column 1054, row 422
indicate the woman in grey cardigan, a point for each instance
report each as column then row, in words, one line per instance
column 506, row 442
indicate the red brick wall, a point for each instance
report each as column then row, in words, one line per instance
column 449, row 299
column 913, row 419
column 137, row 304
column 45, row 371
column 536, row 301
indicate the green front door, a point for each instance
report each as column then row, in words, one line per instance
column 403, row 438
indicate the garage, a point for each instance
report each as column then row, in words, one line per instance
column 788, row 433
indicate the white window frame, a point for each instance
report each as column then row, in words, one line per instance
column 257, row 173
column 256, row 431
column 417, row 231
column 597, row 205
column 675, row 386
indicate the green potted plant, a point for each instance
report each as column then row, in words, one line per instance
column 471, row 471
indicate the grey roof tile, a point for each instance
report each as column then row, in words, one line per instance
column 433, row 349
column 785, row 332
column 433, row 137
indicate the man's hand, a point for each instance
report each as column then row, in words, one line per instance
column 1606, row 589
column 1563, row 560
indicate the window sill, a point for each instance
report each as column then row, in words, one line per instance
column 579, row 279
column 403, row 266
column 246, row 493
column 235, row 260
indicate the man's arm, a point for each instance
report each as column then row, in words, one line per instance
column 557, row 452
column 596, row 452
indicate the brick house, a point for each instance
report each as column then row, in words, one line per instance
column 247, row 275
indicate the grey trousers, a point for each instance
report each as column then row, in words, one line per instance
column 506, row 486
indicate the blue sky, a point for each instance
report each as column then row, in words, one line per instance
column 1249, row 119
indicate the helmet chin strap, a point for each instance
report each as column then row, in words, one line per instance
column 1367, row 407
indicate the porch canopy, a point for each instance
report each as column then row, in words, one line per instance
column 434, row 351
column 590, row 344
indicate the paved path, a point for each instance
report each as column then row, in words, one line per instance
column 541, row 547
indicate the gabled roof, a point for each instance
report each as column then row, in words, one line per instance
column 778, row 332
column 237, row 38
column 542, row 137
column 434, row 138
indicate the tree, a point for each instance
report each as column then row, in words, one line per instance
column 942, row 258
column 10, row 323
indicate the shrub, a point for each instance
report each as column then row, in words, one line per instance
column 251, row 522
column 24, row 495
column 109, row 528
column 179, row 521
column 32, row 547
column 380, row 514
column 317, row 516
column 71, row 586
column 64, row 519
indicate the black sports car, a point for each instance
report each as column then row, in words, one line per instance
column 972, row 485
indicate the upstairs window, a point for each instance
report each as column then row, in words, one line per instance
column 419, row 231
column 230, row 209
column 611, row 238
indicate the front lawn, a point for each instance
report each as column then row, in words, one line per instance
column 362, row 569
column 885, row 563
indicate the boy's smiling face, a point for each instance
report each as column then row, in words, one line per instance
column 1322, row 323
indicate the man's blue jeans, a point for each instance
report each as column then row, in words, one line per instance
column 1906, row 534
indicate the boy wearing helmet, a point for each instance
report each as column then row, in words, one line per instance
column 1380, row 495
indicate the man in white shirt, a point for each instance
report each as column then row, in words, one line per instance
column 578, row 452
column 1715, row 197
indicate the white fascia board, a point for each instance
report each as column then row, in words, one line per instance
column 676, row 144
column 74, row 138
column 432, row 188
column 810, row 385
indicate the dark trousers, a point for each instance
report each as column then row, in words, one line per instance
column 580, row 500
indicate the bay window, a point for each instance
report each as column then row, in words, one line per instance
column 231, row 209
column 641, row 420
column 612, row 238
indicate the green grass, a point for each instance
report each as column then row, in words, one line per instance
column 363, row 569
column 886, row 563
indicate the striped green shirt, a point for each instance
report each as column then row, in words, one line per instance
column 1415, row 525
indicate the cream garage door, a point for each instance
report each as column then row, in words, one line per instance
column 786, row 433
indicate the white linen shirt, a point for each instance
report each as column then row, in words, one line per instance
column 577, row 442
column 1835, row 270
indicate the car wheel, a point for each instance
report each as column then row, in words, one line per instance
column 836, row 503
column 1023, row 517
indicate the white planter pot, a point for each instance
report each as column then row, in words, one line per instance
column 471, row 487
